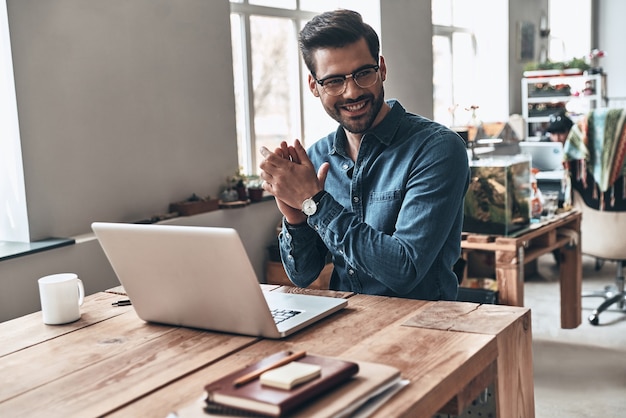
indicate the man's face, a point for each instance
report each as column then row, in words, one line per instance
column 558, row 137
column 357, row 109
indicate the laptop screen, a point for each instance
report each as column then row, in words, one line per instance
column 545, row 156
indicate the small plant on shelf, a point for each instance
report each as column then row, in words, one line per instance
column 254, row 183
column 236, row 182
column 577, row 63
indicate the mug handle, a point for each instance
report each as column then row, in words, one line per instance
column 81, row 292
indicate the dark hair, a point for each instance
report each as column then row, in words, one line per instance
column 335, row 29
column 559, row 123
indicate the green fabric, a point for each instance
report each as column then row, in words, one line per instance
column 600, row 141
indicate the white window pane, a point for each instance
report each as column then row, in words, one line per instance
column 465, row 12
column 275, row 81
column 243, row 147
column 463, row 75
column 281, row 4
column 13, row 216
column 570, row 33
column 317, row 123
column 441, row 12
column 318, row 5
column 442, row 81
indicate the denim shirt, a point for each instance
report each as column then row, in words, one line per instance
column 391, row 220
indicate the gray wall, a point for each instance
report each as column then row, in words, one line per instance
column 124, row 106
column 521, row 11
column 406, row 38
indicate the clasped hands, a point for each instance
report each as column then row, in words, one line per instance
column 290, row 177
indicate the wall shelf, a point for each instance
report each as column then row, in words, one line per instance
column 543, row 96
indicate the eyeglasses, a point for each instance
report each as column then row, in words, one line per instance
column 336, row 85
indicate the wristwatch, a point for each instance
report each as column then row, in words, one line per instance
column 309, row 206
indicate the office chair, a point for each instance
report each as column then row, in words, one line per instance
column 595, row 152
column 602, row 234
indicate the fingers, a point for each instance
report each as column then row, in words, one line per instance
column 293, row 155
column 265, row 152
column 322, row 172
column 284, row 150
column 302, row 156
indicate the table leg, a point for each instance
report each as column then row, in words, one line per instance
column 570, row 278
column 510, row 277
column 512, row 327
column 515, row 394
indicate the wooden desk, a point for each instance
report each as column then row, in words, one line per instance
column 512, row 253
column 111, row 363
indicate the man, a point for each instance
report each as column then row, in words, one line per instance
column 383, row 194
column 559, row 126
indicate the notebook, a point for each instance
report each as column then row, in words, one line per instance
column 201, row 277
column 545, row 156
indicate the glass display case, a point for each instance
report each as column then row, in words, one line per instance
column 498, row 198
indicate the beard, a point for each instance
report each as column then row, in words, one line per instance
column 361, row 123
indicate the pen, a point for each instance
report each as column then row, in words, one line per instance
column 242, row 380
column 125, row 302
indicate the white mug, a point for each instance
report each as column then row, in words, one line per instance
column 61, row 297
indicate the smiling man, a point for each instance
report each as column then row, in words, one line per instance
column 383, row 193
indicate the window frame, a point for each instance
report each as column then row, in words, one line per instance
column 448, row 32
column 243, row 11
column 14, row 219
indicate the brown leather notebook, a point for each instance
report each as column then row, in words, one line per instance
column 344, row 400
column 255, row 397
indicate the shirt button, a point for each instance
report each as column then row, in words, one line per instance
column 345, row 166
column 289, row 257
column 341, row 252
column 355, row 199
column 351, row 272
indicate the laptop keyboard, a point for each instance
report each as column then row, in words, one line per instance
column 281, row 315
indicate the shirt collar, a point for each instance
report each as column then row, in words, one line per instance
column 384, row 131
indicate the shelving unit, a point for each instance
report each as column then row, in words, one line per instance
column 543, row 96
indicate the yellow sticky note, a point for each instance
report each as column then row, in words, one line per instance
column 290, row 375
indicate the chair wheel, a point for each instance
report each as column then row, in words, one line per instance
column 593, row 319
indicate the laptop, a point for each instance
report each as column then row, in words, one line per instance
column 545, row 156
column 201, row 277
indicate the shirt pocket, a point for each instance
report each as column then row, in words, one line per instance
column 383, row 208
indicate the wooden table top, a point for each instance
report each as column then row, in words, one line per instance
column 110, row 362
column 521, row 238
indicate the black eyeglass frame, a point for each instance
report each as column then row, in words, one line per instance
column 344, row 77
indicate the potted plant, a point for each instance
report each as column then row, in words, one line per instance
column 254, row 184
column 553, row 68
column 235, row 189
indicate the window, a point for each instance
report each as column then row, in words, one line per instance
column 470, row 60
column 570, row 33
column 13, row 216
column 272, row 98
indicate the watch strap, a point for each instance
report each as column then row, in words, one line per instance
column 318, row 196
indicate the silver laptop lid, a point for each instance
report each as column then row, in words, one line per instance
column 545, row 156
column 198, row 277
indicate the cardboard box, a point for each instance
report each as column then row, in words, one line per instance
column 498, row 197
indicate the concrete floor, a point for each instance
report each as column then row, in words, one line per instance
column 578, row 373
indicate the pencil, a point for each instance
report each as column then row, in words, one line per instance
column 242, row 380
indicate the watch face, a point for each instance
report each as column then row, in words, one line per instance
column 309, row 207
